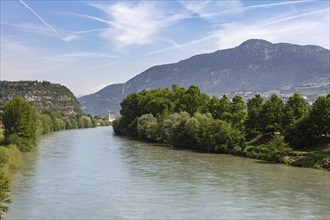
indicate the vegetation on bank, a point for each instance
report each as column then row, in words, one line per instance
column 270, row 130
column 23, row 127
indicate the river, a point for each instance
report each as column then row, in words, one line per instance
column 93, row 174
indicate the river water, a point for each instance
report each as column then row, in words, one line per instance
column 93, row 174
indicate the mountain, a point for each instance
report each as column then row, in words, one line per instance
column 255, row 66
column 44, row 95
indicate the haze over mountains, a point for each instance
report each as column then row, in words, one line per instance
column 255, row 66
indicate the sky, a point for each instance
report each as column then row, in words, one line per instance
column 86, row 45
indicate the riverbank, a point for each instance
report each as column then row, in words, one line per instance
column 272, row 152
column 271, row 130
column 267, row 148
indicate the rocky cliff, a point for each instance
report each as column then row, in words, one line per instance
column 43, row 95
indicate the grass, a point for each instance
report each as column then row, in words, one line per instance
column 10, row 157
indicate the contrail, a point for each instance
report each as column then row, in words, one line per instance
column 42, row 20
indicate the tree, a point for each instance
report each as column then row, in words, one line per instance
column 301, row 134
column 46, row 123
column 215, row 108
column 178, row 93
column 320, row 116
column 238, row 112
column 19, row 119
column 254, row 105
column 272, row 115
column 147, row 127
column 175, row 131
column 194, row 100
column 225, row 109
column 295, row 109
column 198, row 128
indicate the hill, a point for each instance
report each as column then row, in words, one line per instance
column 255, row 66
column 44, row 95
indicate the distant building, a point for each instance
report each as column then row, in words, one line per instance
column 111, row 117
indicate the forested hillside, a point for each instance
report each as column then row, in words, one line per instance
column 43, row 95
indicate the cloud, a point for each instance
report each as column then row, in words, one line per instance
column 67, row 38
column 269, row 5
column 89, row 55
column 292, row 17
column 29, row 27
column 134, row 22
column 287, row 28
column 213, row 9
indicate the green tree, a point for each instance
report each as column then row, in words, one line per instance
column 272, row 115
column 308, row 130
column 238, row 112
column 253, row 123
column 175, row 131
column 301, row 134
column 295, row 109
column 214, row 107
column 147, row 127
column 178, row 93
column 194, row 101
column 46, row 123
column 320, row 116
column 225, row 109
column 20, row 118
column 198, row 128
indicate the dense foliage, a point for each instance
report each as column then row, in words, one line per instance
column 24, row 125
column 4, row 185
column 265, row 129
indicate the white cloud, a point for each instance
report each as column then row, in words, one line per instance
column 213, row 9
column 70, row 37
column 88, row 55
column 135, row 22
column 269, row 5
column 29, row 27
column 304, row 28
column 287, row 28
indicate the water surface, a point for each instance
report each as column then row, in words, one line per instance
column 93, row 174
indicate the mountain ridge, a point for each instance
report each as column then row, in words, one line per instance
column 255, row 65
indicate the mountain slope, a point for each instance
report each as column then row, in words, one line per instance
column 44, row 95
column 255, row 65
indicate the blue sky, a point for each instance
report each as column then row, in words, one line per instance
column 86, row 45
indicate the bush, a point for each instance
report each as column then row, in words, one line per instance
column 147, row 127
column 20, row 121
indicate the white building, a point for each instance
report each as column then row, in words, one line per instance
column 111, row 117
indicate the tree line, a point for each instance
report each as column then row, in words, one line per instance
column 23, row 127
column 191, row 119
